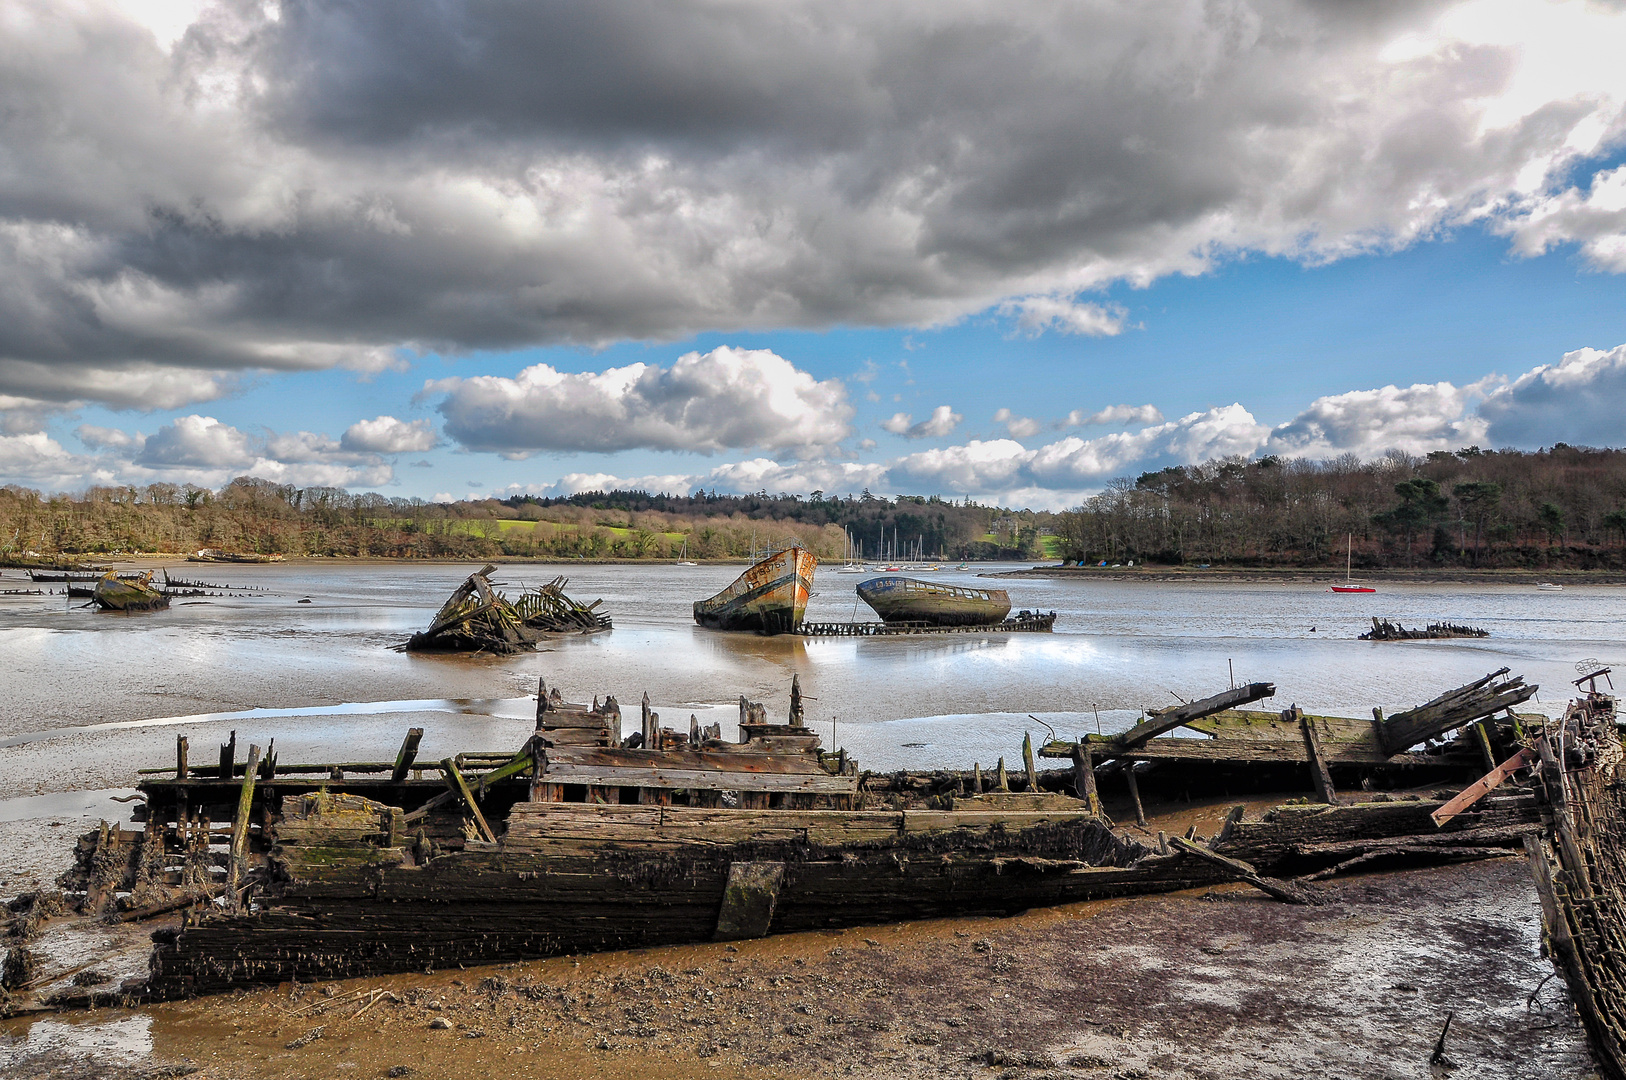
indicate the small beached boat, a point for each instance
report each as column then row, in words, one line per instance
column 770, row 597
column 114, row 593
column 901, row 599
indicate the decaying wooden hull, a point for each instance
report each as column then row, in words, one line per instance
column 1579, row 865
column 571, row 881
column 769, row 598
column 586, row 841
column 906, row 600
column 114, row 593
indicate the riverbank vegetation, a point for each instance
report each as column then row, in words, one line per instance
column 250, row 515
column 1564, row 507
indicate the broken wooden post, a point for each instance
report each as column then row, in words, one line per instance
column 228, row 758
column 406, row 755
column 652, row 737
column 1226, row 829
column 1483, row 786
column 1027, row 762
column 1319, row 775
column 460, row 786
column 1162, row 842
column 976, row 779
column 1134, row 792
column 239, row 828
column 1084, row 776
column 795, row 701
column 1482, row 739
column 180, row 757
column 1453, row 709
column 541, row 699
column 694, row 731
column 1001, row 781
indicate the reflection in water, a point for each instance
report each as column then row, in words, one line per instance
column 322, row 679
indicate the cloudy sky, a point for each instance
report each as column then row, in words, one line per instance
column 995, row 249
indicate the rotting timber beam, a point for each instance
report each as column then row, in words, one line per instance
column 407, row 755
column 1180, row 715
column 460, row 786
column 1453, row 709
column 1241, row 871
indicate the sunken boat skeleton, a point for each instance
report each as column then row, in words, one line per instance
column 584, row 840
column 1384, row 630
column 478, row 618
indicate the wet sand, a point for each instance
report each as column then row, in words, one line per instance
column 1206, row 984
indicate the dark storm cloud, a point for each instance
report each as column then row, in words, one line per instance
column 306, row 184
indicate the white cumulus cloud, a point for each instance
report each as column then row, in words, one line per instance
column 387, row 435
column 705, row 402
column 939, row 424
column 1579, row 400
column 1036, row 314
column 1019, row 427
column 1414, row 419
column 1115, row 415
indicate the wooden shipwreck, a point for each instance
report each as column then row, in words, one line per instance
column 1384, row 630
column 1579, row 860
column 769, row 598
column 477, row 618
column 583, row 839
column 136, row 592
column 927, row 603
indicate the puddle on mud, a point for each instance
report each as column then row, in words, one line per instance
column 124, row 1040
column 71, row 804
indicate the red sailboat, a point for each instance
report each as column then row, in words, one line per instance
column 1349, row 586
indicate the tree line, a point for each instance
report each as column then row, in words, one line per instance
column 252, row 515
column 1560, row 507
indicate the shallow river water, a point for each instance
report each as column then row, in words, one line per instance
column 89, row 697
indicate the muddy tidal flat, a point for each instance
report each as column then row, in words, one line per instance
column 1223, row 983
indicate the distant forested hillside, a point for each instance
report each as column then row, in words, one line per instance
column 253, row 515
column 1506, row 509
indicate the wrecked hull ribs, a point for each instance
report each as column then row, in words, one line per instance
column 583, row 840
column 477, row 618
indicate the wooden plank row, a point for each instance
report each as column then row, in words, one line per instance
column 702, row 779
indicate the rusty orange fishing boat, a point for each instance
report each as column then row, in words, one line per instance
column 770, row 597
